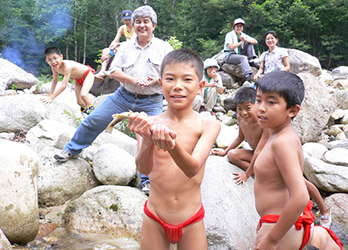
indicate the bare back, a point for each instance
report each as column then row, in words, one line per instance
column 72, row 69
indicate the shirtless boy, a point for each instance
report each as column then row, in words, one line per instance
column 281, row 196
column 173, row 152
column 249, row 130
column 82, row 74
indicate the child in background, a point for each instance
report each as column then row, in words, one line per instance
column 173, row 154
column 249, row 130
column 281, row 196
column 256, row 136
column 82, row 74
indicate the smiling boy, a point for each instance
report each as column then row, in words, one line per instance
column 173, row 154
column 82, row 74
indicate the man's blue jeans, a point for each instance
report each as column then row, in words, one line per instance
column 97, row 121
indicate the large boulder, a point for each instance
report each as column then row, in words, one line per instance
column 13, row 76
column 340, row 72
column 109, row 210
column 60, row 182
column 302, row 62
column 316, row 109
column 230, row 215
column 341, row 97
column 22, row 112
column 113, row 165
column 19, row 211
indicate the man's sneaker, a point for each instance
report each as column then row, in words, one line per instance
column 254, row 64
column 146, row 188
column 64, row 156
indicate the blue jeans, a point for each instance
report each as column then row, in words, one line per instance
column 98, row 120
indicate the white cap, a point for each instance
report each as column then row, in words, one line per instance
column 210, row 62
column 238, row 20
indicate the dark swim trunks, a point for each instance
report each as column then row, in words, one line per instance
column 174, row 232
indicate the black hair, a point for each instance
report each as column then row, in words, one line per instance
column 273, row 33
column 52, row 50
column 184, row 56
column 245, row 95
column 284, row 83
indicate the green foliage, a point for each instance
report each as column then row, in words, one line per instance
column 82, row 28
column 174, row 42
column 123, row 127
column 114, row 207
column 59, row 213
column 77, row 120
column 14, row 87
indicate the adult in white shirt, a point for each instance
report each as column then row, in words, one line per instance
column 275, row 58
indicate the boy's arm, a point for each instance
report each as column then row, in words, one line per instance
column 287, row 159
column 117, row 38
column 191, row 164
column 53, row 94
column 140, row 124
column 239, row 139
column 241, row 178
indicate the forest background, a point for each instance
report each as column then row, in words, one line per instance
column 82, row 28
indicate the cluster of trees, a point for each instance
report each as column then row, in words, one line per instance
column 81, row 28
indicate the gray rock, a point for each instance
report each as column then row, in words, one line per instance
column 325, row 176
column 113, row 165
column 337, row 156
column 11, row 74
column 230, row 214
column 341, row 97
column 316, row 109
column 302, row 62
column 110, row 210
column 19, row 211
column 4, row 243
column 22, row 112
column 340, row 72
column 338, row 203
column 60, row 182
column 313, row 149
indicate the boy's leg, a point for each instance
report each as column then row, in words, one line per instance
column 240, row 157
column 322, row 240
column 86, row 87
column 152, row 236
column 193, row 237
column 105, row 61
column 78, row 96
column 291, row 240
column 315, row 195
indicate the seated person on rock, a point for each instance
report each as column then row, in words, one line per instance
column 276, row 58
column 206, row 100
column 125, row 30
column 256, row 136
column 173, row 153
column 239, row 49
column 82, row 74
column 281, row 196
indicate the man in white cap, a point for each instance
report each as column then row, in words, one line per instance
column 239, row 48
column 212, row 88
